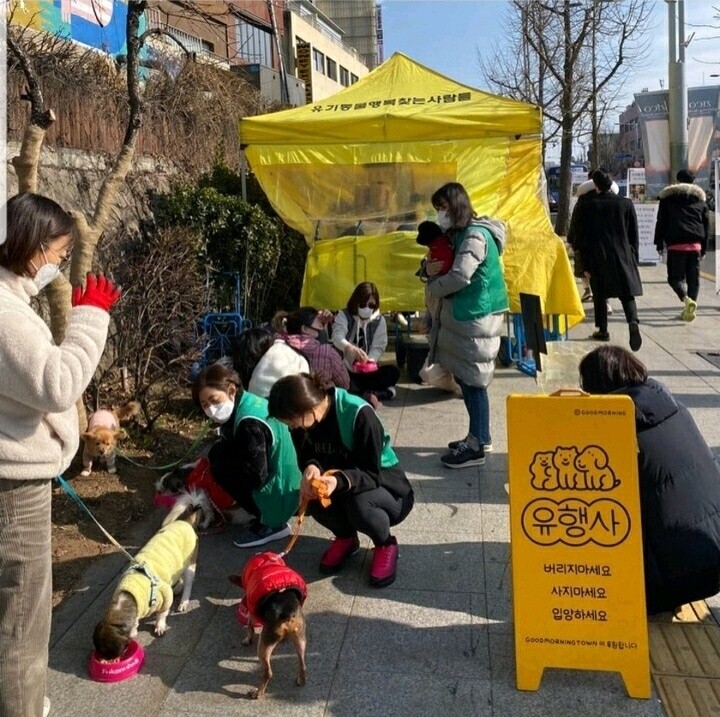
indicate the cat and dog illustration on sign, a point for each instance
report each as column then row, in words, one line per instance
column 570, row 468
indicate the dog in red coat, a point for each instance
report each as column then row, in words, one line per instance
column 274, row 596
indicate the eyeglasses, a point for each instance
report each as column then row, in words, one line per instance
column 64, row 256
column 369, row 305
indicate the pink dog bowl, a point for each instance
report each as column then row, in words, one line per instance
column 165, row 500
column 117, row 670
column 365, row 366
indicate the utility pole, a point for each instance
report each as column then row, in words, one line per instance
column 677, row 87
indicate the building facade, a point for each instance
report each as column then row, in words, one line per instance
column 317, row 53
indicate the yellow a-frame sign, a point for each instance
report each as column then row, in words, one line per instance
column 576, row 539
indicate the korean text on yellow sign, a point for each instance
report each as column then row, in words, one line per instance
column 576, row 538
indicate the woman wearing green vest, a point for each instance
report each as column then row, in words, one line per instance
column 465, row 334
column 254, row 460
column 336, row 431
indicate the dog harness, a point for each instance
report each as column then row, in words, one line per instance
column 267, row 573
column 159, row 565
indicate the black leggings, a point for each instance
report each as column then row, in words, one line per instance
column 600, row 306
column 371, row 512
column 380, row 380
column 683, row 270
column 243, row 495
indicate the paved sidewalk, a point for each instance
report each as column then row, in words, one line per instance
column 439, row 641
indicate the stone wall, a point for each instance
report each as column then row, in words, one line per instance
column 73, row 178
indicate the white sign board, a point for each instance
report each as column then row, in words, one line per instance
column 636, row 187
column 647, row 216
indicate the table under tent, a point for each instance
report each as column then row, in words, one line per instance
column 354, row 173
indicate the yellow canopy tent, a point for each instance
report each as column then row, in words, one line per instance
column 354, row 173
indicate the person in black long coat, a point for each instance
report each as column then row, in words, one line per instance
column 679, row 483
column 607, row 237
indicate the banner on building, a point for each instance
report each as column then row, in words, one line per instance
column 703, row 125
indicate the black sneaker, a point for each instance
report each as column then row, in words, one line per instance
column 487, row 448
column 387, row 395
column 464, row 455
column 261, row 534
column 600, row 336
column 635, row 337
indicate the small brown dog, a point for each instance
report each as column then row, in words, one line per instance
column 165, row 564
column 274, row 596
column 102, row 435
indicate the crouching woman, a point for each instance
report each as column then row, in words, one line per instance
column 679, row 483
column 254, row 461
column 340, row 441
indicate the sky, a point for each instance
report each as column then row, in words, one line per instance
column 448, row 35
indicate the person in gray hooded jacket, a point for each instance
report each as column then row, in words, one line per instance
column 465, row 335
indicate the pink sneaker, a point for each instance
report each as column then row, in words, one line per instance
column 337, row 554
column 384, row 564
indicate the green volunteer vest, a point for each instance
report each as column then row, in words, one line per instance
column 347, row 407
column 469, row 303
column 279, row 498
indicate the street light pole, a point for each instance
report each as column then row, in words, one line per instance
column 677, row 88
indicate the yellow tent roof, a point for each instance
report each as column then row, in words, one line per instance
column 399, row 101
column 355, row 172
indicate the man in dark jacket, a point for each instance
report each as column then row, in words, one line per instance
column 607, row 237
column 684, row 227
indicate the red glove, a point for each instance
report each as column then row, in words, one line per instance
column 99, row 292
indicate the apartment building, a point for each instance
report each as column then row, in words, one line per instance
column 317, row 52
column 361, row 22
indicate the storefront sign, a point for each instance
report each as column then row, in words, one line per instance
column 577, row 562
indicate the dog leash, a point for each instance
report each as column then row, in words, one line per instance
column 135, row 564
column 321, row 495
column 190, row 450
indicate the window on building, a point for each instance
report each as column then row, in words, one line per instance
column 332, row 69
column 353, row 79
column 254, row 43
column 319, row 62
column 344, row 77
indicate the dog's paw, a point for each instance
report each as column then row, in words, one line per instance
column 86, row 472
column 112, row 470
column 160, row 630
column 300, row 682
column 247, row 641
column 255, row 694
column 183, row 606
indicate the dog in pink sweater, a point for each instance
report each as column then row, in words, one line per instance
column 102, row 435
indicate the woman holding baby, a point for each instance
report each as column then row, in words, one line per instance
column 465, row 335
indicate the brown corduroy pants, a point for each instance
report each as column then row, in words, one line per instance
column 25, row 595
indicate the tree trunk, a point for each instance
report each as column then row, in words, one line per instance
column 26, row 163
column 563, row 216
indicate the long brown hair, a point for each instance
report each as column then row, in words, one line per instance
column 610, row 368
column 218, row 377
column 294, row 396
column 362, row 294
column 32, row 221
column 458, row 201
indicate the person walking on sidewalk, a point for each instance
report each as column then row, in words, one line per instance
column 683, row 226
column 39, row 433
column 341, row 442
column 607, row 236
column 465, row 339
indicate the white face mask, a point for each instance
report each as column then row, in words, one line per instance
column 220, row 412
column 46, row 274
column 444, row 221
column 365, row 312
